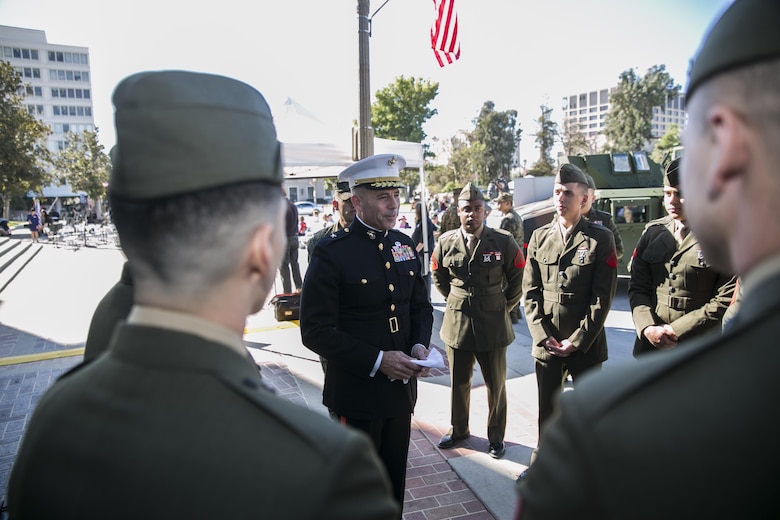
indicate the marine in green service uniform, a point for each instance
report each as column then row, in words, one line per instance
column 674, row 293
column 692, row 433
column 601, row 217
column 569, row 282
column 173, row 420
column 112, row 308
column 479, row 271
column 512, row 223
column 449, row 218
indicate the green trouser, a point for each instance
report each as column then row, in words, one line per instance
column 493, row 366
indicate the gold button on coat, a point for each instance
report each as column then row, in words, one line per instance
column 363, row 280
column 392, row 287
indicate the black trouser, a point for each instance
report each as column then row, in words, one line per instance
column 290, row 262
column 391, row 439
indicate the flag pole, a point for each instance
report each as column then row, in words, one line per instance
column 365, row 136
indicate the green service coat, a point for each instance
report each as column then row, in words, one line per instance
column 113, row 308
column 569, row 289
column 478, row 304
column 512, row 223
column 673, row 284
column 701, row 420
column 168, row 425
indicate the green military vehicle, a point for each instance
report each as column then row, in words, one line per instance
column 629, row 186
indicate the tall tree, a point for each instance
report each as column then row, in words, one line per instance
column 23, row 153
column 629, row 121
column 84, row 165
column 498, row 134
column 545, row 139
column 467, row 159
column 669, row 140
column 573, row 139
column 399, row 112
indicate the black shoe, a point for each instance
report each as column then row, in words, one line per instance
column 449, row 440
column 496, row 450
column 522, row 475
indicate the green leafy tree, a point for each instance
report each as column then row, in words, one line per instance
column 467, row 160
column 545, row 139
column 23, row 153
column 84, row 165
column 671, row 139
column 498, row 133
column 573, row 139
column 440, row 178
column 399, row 112
column 629, row 121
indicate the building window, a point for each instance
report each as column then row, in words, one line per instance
column 583, row 100
column 604, row 97
column 68, row 57
column 68, row 75
column 583, row 111
column 593, row 109
column 593, row 98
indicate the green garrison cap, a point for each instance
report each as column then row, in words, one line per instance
column 471, row 192
column 570, row 173
column 747, row 33
column 178, row 132
column 672, row 175
column 591, row 182
column 378, row 172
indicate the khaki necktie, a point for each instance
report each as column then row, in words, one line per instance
column 681, row 231
column 472, row 243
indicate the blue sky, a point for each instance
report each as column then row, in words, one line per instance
column 517, row 53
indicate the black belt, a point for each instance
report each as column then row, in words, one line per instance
column 477, row 291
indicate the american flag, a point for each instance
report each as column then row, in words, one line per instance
column 444, row 32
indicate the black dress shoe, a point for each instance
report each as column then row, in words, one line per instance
column 449, row 440
column 496, row 450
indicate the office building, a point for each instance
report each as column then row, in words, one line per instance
column 588, row 112
column 56, row 81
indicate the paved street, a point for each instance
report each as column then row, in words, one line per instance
column 45, row 313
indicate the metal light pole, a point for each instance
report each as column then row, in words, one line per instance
column 365, row 137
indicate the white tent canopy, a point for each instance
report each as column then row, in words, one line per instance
column 310, row 148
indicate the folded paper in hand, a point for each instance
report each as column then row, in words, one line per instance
column 434, row 359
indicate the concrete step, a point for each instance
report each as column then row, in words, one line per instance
column 8, row 247
column 15, row 259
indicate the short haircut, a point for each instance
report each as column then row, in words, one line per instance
column 190, row 242
column 754, row 91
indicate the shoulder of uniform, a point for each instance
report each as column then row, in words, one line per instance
column 604, row 214
column 499, row 231
column 334, row 236
column 449, row 235
column 597, row 228
column 658, row 222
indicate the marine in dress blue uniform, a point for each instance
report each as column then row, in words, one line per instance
column 364, row 304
